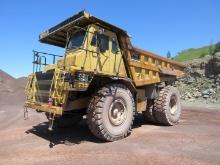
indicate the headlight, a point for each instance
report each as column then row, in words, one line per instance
column 83, row 77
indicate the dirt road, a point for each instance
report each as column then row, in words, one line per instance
column 196, row 140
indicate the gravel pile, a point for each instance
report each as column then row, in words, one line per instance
column 11, row 89
column 202, row 80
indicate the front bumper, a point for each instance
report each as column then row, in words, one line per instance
column 44, row 107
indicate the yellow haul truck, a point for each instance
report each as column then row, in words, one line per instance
column 102, row 76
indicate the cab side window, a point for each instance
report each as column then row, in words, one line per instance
column 101, row 41
column 94, row 38
column 115, row 47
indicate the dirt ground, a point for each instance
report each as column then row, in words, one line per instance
column 195, row 140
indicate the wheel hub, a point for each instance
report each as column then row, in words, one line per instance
column 173, row 104
column 117, row 112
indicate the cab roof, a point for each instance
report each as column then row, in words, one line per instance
column 57, row 35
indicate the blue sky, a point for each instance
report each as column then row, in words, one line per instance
column 155, row 25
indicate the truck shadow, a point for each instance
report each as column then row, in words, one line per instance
column 72, row 135
column 68, row 136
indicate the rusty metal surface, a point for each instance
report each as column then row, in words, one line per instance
column 44, row 107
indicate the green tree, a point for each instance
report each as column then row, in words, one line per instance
column 168, row 54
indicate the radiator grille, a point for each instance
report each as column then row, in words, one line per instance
column 43, row 85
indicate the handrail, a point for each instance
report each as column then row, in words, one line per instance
column 39, row 56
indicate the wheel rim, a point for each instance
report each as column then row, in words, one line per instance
column 117, row 112
column 173, row 104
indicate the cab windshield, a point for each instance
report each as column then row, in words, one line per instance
column 76, row 40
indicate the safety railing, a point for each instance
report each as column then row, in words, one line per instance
column 41, row 58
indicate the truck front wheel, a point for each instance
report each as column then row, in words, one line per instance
column 111, row 112
column 167, row 107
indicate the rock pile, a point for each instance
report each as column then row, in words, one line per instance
column 202, row 80
column 213, row 66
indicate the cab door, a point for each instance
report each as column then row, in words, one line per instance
column 98, row 59
column 103, row 62
column 105, row 56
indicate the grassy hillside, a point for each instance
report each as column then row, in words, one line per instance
column 192, row 53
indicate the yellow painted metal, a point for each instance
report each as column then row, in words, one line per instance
column 44, row 107
column 30, row 88
column 49, row 67
column 87, row 59
column 57, row 92
column 147, row 69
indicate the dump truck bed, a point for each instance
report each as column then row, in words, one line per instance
column 148, row 68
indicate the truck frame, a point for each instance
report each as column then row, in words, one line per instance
column 103, row 77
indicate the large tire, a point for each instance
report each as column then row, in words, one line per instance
column 167, row 106
column 111, row 112
column 149, row 114
column 66, row 120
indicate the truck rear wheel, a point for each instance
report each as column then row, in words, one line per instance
column 167, row 106
column 111, row 112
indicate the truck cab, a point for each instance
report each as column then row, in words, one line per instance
column 93, row 48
